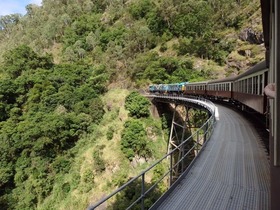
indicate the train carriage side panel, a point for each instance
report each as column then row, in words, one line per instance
column 248, row 88
column 196, row 88
column 221, row 88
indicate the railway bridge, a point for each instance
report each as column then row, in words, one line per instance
column 230, row 170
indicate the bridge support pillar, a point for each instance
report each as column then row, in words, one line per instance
column 180, row 131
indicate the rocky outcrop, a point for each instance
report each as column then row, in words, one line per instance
column 251, row 36
column 246, row 53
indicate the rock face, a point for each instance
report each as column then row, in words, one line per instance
column 251, row 36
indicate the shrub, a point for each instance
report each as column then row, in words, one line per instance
column 137, row 105
column 110, row 133
column 134, row 140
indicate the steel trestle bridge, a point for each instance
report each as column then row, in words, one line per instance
column 230, row 169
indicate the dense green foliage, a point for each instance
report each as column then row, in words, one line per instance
column 119, row 33
column 45, row 109
column 137, row 105
column 134, row 140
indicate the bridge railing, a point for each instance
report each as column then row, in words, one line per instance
column 197, row 139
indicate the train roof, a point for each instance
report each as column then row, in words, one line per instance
column 197, row 83
column 228, row 79
column 256, row 68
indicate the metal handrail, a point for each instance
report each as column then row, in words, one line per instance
column 209, row 124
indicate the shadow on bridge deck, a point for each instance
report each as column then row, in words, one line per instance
column 231, row 173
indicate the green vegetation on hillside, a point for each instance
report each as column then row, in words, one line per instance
column 118, row 33
column 45, row 109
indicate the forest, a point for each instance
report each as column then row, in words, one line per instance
column 73, row 125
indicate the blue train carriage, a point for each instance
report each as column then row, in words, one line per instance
column 176, row 88
column 220, row 88
column 196, row 88
column 248, row 88
column 162, row 89
column 154, row 88
column 182, row 87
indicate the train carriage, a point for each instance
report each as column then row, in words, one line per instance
column 220, row 89
column 245, row 89
column 248, row 87
column 196, row 88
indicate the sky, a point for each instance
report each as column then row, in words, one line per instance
column 15, row 6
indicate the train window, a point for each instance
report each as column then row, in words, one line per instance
column 255, row 85
column 249, row 84
column 261, row 85
column 239, row 86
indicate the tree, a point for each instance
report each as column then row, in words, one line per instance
column 134, row 140
column 23, row 58
column 137, row 105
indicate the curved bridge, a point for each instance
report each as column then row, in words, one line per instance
column 177, row 158
column 231, row 173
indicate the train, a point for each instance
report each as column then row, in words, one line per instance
column 245, row 90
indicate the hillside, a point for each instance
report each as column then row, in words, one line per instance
column 120, row 33
column 66, row 72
